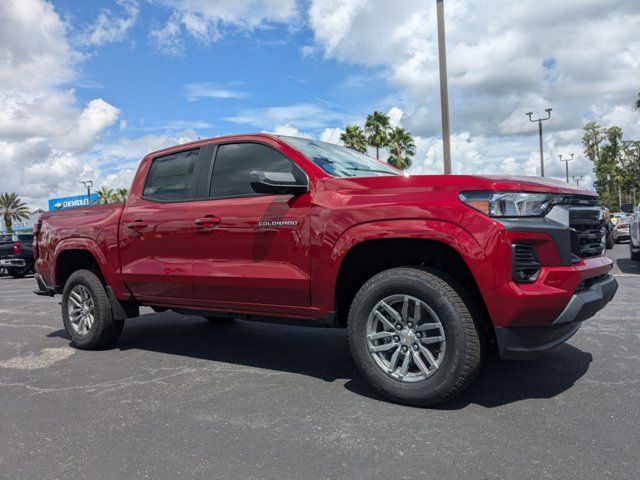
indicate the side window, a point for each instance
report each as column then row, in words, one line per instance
column 170, row 177
column 234, row 163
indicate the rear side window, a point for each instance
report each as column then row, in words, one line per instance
column 234, row 163
column 170, row 177
column 25, row 237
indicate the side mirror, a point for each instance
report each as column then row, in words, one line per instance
column 278, row 183
column 626, row 207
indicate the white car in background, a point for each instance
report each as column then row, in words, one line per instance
column 634, row 233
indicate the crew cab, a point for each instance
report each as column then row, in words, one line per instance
column 425, row 271
column 16, row 255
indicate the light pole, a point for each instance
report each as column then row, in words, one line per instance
column 566, row 164
column 444, row 89
column 540, row 120
column 577, row 179
column 88, row 184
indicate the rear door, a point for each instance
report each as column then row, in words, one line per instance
column 250, row 248
column 156, row 229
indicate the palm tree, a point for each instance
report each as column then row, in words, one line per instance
column 353, row 137
column 637, row 104
column 401, row 148
column 105, row 195
column 377, row 129
column 121, row 195
column 12, row 208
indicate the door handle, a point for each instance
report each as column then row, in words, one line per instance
column 207, row 220
column 137, row 224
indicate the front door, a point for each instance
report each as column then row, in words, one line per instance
column 156, row 230
column 251, row 248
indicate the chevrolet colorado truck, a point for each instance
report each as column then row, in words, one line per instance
column 424, row 271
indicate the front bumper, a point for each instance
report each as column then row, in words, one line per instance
column 524, row 343
column 12, row 263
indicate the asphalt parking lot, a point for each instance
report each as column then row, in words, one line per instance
column 179, row 397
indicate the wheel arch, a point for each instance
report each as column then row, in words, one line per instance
column 367, row 249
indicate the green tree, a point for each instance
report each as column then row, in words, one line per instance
column 637, row 104
column 377, row 129
column 105, row 195
column 120, row 195
column 12, row 209
column 355, row 138
column 401, row 148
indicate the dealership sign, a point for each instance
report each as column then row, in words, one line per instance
column 71, row 202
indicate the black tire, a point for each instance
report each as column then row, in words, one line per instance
column 635, row 256
column 17, row 272
column 105, row 330
column 219, row 320
column 464, row 350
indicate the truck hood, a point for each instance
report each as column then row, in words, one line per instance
column 457, row 183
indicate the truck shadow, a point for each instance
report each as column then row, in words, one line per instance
column 324, row 354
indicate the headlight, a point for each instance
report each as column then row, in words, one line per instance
column 511, row 204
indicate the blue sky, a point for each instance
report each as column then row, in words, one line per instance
column 209, row 84
column 87, row 88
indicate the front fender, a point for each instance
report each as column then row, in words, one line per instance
column 447, row 233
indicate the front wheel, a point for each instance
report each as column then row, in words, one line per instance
column 86, row 312
column 413, row 337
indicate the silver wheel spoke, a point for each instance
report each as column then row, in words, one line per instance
column 383, row 348
column 405, row 308
column 419, row 362
column 384, row 320
column 429, row 356
column 396, row 316
column 393, row 363
column 404, row 369
column 430, row 340
column 427, row 326
column 380, row 335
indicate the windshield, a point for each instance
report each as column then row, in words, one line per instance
column 339, row 161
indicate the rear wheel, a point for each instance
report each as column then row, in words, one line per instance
column 17, row 272
column 413, row 337
column 635, row 256
column 86, row 312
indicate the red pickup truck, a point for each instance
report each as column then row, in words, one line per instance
column 425, row 271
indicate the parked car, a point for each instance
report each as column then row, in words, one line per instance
column 634, row 233
column 620, row 231
column 425, row 271
column 16, row 254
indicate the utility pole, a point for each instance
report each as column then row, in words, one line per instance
column 444, row 89
column 577, row 179
column 88, row 184
column 566, row 164
column 540, row 120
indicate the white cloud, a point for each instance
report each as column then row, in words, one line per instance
column 108, row 27
column 208, row 21
column 300, row 115
column 197, row 91
column 34, row 52
column 45, row 131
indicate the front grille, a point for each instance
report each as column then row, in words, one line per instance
column 587, row 232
